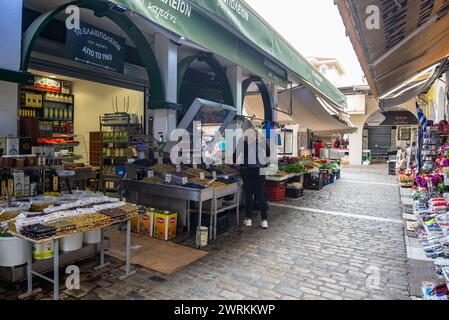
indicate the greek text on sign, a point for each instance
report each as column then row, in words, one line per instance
column 96, row 47
column 236, row 6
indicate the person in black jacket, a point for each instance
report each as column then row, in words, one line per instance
column 254, row 180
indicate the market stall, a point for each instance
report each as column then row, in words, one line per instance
column 176, row 187
column 295, row 174
column 429, row 192
column 46, row 226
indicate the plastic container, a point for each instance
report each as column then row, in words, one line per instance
column 313, row 182
column 13, row 252
column 294, row 192
column 92, row 237
column 71, row 243
column 43, row 251
column 38, row 204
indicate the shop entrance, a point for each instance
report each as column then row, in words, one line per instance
column 385, row 132
column 379, row 142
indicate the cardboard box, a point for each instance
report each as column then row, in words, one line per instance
column 12, row 146
column 26, row 187
column 19, row 183
column 25, row 146
column 37, row 150
column 3, row 145
column 165, row 225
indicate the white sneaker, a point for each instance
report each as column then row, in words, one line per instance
column 264, row 224
column 248, row 223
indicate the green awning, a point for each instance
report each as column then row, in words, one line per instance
column 16, row 76
column 238, row 15
column 275, row 56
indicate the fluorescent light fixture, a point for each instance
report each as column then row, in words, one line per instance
column 119, row 8
column 409, row 88
column 405, row 83
column 53, row 77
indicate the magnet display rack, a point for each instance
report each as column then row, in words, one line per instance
column 117, row 132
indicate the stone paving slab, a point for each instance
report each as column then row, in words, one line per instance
column 303, row 255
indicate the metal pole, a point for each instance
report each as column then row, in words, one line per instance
column 128, row 247
column 188, row 216
column 102, row 248
column 56, row 270
column 200, row 211
column 238, row 208
column 30, row 267
column 212, row 215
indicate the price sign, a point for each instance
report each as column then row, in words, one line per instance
column 195, row 166
column 150, row 174
column 159, row 160
column 185, row 180
column 168, row 178
column 202, row 177
column 214, row 174
column 178, row 168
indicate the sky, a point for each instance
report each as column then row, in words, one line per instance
column 314, row 28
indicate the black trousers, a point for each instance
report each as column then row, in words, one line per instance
column 254, row 186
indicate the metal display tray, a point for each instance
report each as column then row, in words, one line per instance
column 168, row 191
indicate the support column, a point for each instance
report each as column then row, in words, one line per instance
column 356, row 147
column 274, row 100
column 167, row 56
column 10, row 53
column 235, row 77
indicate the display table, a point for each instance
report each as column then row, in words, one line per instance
column 178, row 199
column 55, row 239
column 221, row 193
column 286, row 177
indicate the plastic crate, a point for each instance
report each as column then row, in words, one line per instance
column 223, row 222
column 294, row 193
column 313, row 182
column 275, row 190
column 275, row 195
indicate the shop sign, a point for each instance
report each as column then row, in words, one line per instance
column 96, row 47
column 392, row 118
column 375, row 120
column 399, row 118
column 47, row 84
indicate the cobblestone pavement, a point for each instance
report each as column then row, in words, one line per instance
column 303, row 255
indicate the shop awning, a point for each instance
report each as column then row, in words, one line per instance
column 307, row 110
column 234, row 31
column 396, row 40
